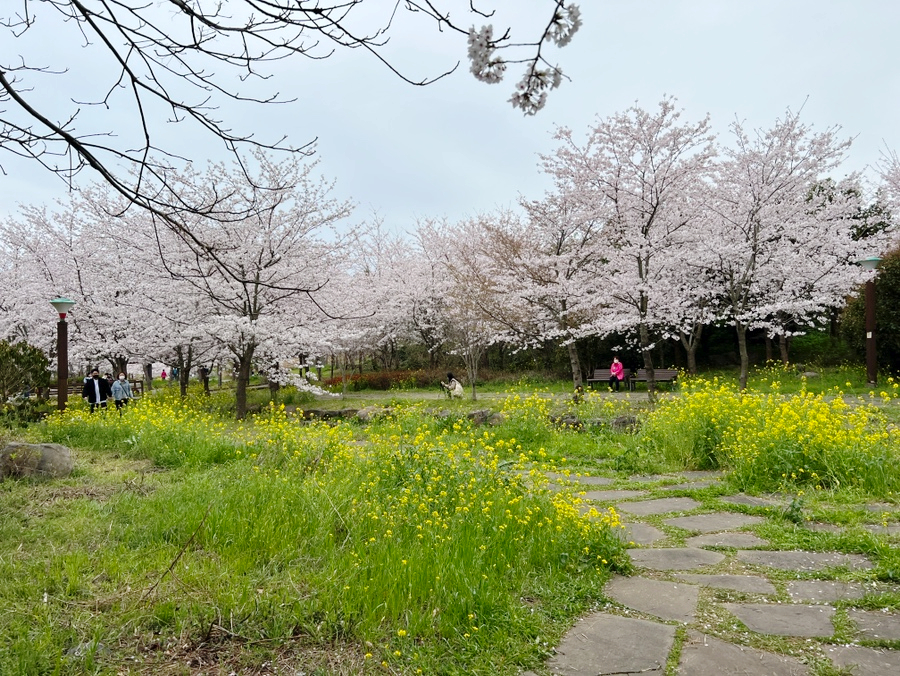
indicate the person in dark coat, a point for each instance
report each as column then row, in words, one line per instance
column 96, row 391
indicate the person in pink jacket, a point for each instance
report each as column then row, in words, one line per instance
column 615, row 373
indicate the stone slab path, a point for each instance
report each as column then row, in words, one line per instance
column 725, row 575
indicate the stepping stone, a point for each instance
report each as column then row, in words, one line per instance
column 749, row 584
column 675, row 558
column 784, row 619
column 736, row 540
column 881, row 507
column 703, row 655
column 752, row 501
column 602, row 644
column 875, row 624
column 612, row 495
column 879, row 529
column 692, row 485
column 640, row 534
column 650, row 478
column 804, row 561
column 659, row 506
column 702, row 474
column 865, row 661
column 826, row 591
column 715, row 522
column 666, row 600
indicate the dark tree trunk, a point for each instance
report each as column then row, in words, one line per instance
column 770, row 356
column 244, row 363
column 783, row 348
column 575, row 363
column 745, row 357
column 148, row 376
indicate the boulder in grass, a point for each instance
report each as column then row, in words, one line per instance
column 624, row 423
column 18, row 459
column 369, row 413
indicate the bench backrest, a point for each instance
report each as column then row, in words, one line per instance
column 658, row 374
column 603, row 374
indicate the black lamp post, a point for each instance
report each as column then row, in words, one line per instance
column 870, row 263
column 62, row 306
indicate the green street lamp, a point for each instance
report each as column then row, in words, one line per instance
column 62, row 306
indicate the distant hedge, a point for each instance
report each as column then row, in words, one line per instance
column 386, row 380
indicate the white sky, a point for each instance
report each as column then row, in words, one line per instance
column 457, row 147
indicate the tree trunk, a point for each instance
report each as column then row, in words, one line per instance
column 575, row 363
column 690, row 343
column 148, row 377
column 783, row 348
column 647, row 351
column 769, row 354
column 274, row 385
column 745, row 357
column 243, row 381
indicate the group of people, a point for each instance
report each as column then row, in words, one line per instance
column 98, row 391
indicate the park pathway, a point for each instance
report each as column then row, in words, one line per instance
column 711, row 596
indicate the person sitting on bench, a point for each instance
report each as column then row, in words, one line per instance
column 615, row 373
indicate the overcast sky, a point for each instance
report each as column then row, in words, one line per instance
column 457, row 147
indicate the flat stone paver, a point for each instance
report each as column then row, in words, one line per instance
column 715, row 522
column 703, row 655
column 749, row 584
column 658, row 506
column 822, row 527
column 602, row 644
column 640, row 533
column 675, row 558
column 804, row 561
column 702, row 474
column 666, row 600
column 865, row 661
column 690, row 486
column 879, row 529
column 828, row 591
column 736, row 540
column 784, row 619
column 612, row 495
column 875, row 624
column 752, row 501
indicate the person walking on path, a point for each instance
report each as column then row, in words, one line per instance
column 121, row 392
column 96, row 391
column 615, row 373
column 163, row 376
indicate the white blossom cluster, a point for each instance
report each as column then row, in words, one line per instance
column 566, row 22
column 531, row 92
column 486, row 66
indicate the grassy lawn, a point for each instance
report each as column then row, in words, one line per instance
column 420, row 542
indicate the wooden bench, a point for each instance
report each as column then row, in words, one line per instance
column 659, row 375
column 602, row 376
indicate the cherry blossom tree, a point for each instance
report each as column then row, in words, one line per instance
column 636, row 174
column 782, row 250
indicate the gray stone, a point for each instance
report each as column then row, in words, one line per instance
column 879, row 529
column 650, row 478
column 865, row 661
column 736, row 540
column 690, row 486
column 804, row 561
column 749, row 584
column 480, row 416
column 602, row 644
column 370, row 413
column 809, row 374
column 666, row 600
column 624, row 423
column 752, row 501
column 702, row 474
column 875, row 624
column 828, row 591
column 703, row 655
column 612, row 495
column 881, row 507
column 784, row 619
column 712, row 523
column 659, row 506
column 679, row 558
column 18, row 459
column 641, row 534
